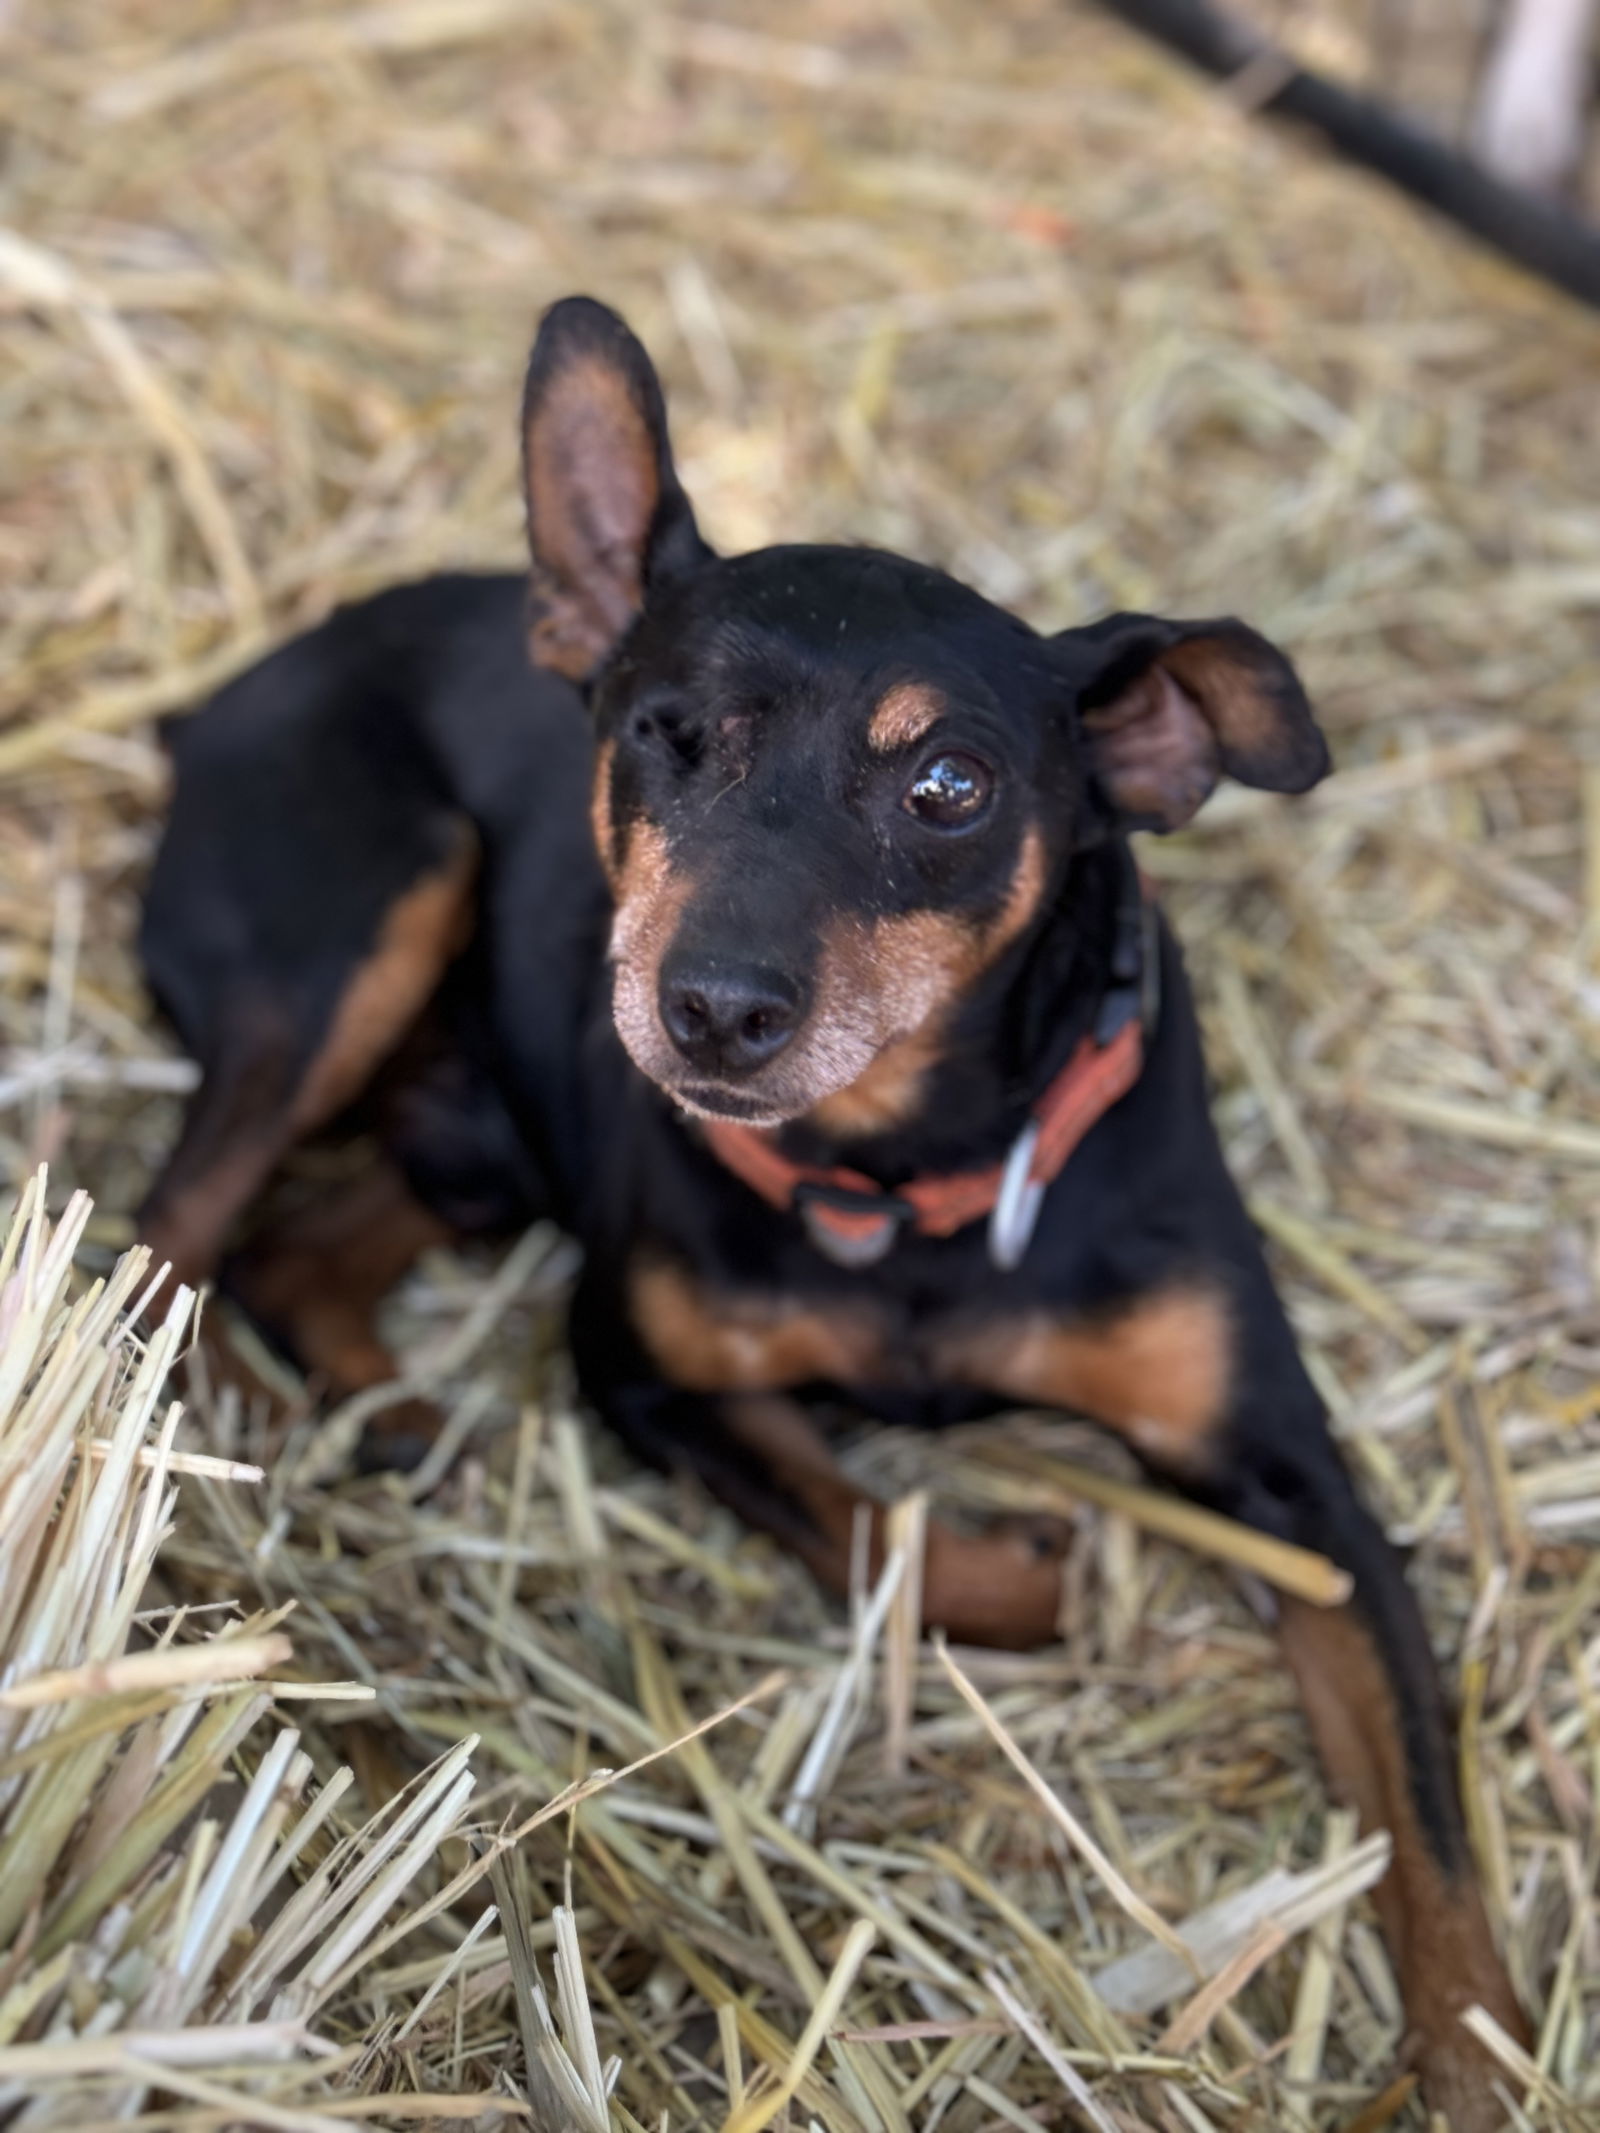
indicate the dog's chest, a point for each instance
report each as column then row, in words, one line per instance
column 714, row 1337
column 1160, row 1367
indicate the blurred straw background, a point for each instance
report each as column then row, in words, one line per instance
column 999, row 285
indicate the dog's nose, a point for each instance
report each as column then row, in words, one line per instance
column 728, row 1018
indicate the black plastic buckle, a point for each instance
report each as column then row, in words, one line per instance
column 1118, row 1008
column 1135, row 959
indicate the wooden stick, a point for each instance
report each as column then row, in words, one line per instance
column 1300, row 1571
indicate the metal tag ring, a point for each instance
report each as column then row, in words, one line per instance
column 1016, row 1207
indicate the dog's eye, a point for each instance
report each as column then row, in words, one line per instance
column 672, row 728
column 949, row 792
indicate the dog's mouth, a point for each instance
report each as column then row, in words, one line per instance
column 702, row 1099
column 758, row 1101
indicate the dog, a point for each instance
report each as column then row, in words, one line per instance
column 774, row 929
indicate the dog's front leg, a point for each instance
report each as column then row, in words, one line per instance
column 1377, row 1713
column 1205, row 1385
column 765, row 1457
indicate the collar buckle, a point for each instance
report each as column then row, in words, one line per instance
column 853, row 1229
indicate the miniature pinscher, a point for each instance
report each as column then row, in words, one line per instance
column 769, row 921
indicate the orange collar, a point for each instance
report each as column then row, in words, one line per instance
column 855, row 1221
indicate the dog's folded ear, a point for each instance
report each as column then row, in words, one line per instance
column 607, row 519
column 1169, row 708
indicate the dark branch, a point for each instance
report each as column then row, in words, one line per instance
column 1545, row 239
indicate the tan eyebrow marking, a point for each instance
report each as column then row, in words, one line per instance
column 904, row 714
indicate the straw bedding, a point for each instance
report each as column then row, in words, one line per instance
column 1000, row 286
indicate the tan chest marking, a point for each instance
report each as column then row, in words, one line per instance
column 710, row 1342
column 1157, row 1373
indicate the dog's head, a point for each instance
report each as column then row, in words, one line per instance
column 834, row 787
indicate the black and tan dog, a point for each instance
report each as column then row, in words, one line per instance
column 807, row 979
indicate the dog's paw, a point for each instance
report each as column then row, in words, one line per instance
column 1041, row 1538
column 999, row 1587
column 397, row 1440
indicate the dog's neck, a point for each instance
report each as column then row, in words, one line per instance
column 1010, row 1035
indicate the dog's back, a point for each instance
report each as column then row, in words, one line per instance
column 324, row 866
column 353, row 748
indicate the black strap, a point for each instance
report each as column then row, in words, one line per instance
column 1545, row 239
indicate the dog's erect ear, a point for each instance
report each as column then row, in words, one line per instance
column 1174, row 706
column 607, row 520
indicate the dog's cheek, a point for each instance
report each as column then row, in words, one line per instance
column 651, row 893
column 913, row 966
column 602, row 821
column 633, row 1011
column 899, row 969
column 874, row 1032
column 902, row 976
column 1024, row 897
column 871, row 976
column 884, row 1095
column 835, row 1052
column 923, row 960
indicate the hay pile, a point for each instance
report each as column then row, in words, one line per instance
column 165, row 1928
column 1001, row 286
